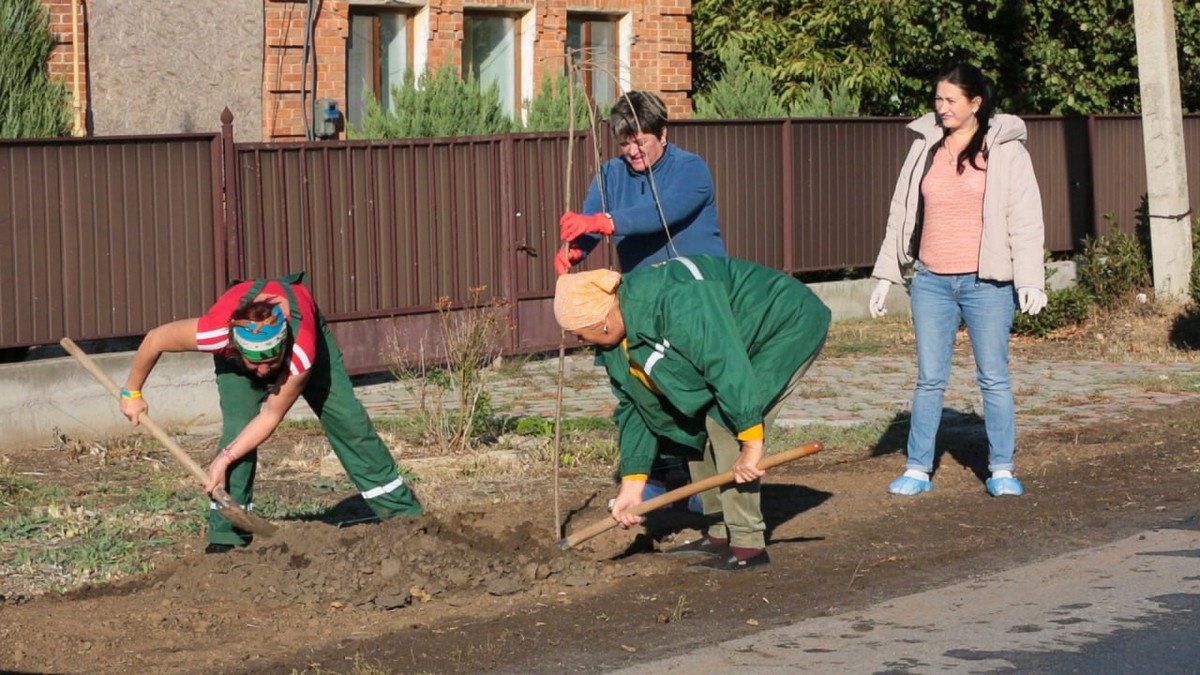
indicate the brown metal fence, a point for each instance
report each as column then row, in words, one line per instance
column 107, row 237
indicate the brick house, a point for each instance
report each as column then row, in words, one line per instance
column 167, row 66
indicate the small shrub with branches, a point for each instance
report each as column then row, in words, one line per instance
column 1064, row 307
column 449, row 386
column 1114, row 268
column 1194, row 282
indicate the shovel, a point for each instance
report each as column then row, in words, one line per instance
column 229, row 508
column 687, row 491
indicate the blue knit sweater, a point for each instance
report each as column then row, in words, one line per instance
column 685, row 189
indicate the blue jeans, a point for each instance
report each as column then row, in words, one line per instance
column 939, row 303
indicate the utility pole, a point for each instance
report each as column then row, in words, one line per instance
column 1162, row 134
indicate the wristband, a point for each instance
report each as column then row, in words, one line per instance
column 131, row 393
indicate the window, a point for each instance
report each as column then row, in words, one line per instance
column 377, row 56
column 592, row 41
column 490, row 55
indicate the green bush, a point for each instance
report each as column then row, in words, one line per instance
column 442, row 104
column 1194, row 282
column 434, row 105
column 1114, row 268
column 1064, row 307
column 743, row 92
column 817, row 101
column 548, row 111
column 31, row 104
column 747, row 91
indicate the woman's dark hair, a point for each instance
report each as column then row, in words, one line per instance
column 258, row 310
column 638, row 111
column 975, row 85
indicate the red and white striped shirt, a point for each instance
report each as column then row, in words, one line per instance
column 212, row 331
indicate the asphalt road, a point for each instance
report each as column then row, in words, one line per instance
column 1128, row 607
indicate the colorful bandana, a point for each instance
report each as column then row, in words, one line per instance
column 261, row 340
column 583, row 299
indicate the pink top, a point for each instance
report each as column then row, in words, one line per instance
column 953, row 217
column 212, row 333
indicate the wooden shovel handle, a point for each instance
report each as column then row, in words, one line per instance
column 687, row 491
column 157, row 431
column 230, row 508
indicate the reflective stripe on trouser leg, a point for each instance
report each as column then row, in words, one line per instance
column 382, row 490
column 352, row 435
column 216, row 506
column 241, row 398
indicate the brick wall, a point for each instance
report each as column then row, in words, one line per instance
column 661, row 33
column 62, row 59
column 662, row 43
column 284, row 26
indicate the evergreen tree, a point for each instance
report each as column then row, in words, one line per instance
column 31, row 104
column 435, row 105
column 747, row 91
column 548, row 110
column 742, row 91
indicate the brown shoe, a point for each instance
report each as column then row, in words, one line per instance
column 703, row 546
column 730, row 562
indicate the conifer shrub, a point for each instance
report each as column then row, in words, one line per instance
column 31, row 104
column 434, row 105
column 549, row 110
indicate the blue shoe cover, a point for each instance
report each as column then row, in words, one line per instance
column 905, row 485
column 998, row 487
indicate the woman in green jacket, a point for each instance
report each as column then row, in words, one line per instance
column 701, row 352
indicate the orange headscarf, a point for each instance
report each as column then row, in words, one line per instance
column 583, row 299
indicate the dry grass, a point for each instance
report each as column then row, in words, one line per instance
column 1150, row 332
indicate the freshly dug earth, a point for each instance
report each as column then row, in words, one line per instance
column 483, row 587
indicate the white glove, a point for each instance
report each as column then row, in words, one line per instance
column 1032, row 300
column 878, row 303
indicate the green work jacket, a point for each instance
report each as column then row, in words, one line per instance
column 716, row 337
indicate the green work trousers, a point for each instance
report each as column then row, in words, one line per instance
column 346, row 425
column 734, row 510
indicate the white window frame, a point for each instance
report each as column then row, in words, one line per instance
column 523, row 23
column 621, row 48
column 381, row 83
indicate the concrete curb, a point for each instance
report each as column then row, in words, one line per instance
column 38, row 397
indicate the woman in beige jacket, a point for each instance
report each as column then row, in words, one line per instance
column 966, row 215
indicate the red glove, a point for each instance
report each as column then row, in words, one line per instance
column 572, row 224
column 566, row 258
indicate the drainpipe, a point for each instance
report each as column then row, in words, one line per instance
column 76, row 92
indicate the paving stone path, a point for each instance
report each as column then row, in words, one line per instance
column 868, row 389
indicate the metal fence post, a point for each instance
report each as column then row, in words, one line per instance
column 230, row 264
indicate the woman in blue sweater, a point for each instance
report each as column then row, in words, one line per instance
column 621, row 201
